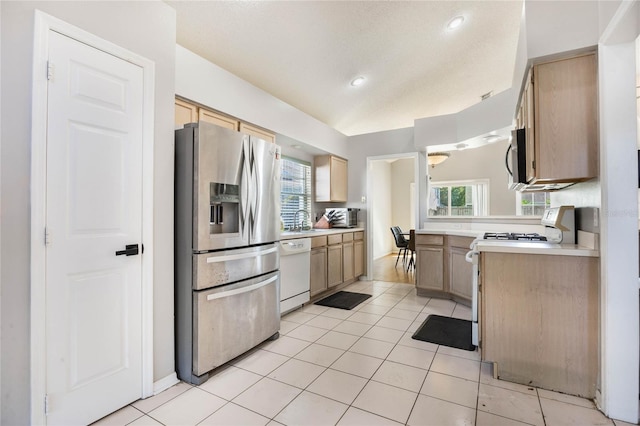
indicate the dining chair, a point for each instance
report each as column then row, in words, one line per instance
column 411, row 246
column 401, row 243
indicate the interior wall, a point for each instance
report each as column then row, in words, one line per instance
column 360, row 147
column 486, row 162
column 206, row 83
column 380, row 174
column 402, row 176
column 154, row 40
column 619, row 230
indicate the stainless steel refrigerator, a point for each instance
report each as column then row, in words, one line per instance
column 227, row 223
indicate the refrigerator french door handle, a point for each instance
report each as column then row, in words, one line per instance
column 255, row 185
column 245, row 189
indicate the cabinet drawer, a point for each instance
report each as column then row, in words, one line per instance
column 430, row 240
column 347, row 237
column 358, row 235
column 461, row 242
column 318, row 241
column 334, row 239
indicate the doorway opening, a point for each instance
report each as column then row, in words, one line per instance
column 392, row 201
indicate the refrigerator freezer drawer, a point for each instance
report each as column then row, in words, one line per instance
column 223, row 267
column 230, row 320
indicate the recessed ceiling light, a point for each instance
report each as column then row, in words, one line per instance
column 455, row 22
column 357, row 81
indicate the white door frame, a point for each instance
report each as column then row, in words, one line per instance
column 370, row 189
column 43, row 24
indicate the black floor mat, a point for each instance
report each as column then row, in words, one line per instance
column 343, row 300
column 447, row 331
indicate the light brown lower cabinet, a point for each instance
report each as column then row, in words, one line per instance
column 347, row 262
column 336, row 259
column 334, row 265
column 539, row 320
column 460, row 273
column 358, row 257
column 430, row 268
column 318, row 278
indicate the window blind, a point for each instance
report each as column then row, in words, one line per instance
column 295, row 191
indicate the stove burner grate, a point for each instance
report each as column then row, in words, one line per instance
column 514, row 236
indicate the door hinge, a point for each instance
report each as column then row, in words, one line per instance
column 47, row 237
column 50, row 70
column 533, row 164
column 46, row 405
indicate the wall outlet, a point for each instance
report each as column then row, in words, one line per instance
column 363, row 199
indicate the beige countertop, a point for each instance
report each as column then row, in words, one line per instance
column 524, row 247
column 288, row 235
column 456, row 232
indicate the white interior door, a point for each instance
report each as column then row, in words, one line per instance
column 93, row 209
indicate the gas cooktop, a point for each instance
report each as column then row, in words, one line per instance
column 514, row 236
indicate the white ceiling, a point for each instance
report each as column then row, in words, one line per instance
column 307, row 52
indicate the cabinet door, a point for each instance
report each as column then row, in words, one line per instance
column 347, row 262
column 318, row 282
column 218, row 119
column 566, row 119
column 430, row 265
column 257, row 132
column 358, row 258
column 460, row 273
column 185, row 113
column 334, row 265
column 338, row 179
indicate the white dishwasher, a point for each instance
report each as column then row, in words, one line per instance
column 295, row 264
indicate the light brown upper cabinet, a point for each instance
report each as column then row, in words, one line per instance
column 185, row 113
column 331, row 178
column 559, row 109
column 217, row 119
column 258, row 132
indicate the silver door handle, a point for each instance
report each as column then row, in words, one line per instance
column 242, row 289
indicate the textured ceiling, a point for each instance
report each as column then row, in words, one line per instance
column 307, row 52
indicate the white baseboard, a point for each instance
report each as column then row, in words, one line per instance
column 385, row 255
column 165, row 383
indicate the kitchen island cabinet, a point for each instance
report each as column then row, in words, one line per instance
column 539, row 319
column 441, row 268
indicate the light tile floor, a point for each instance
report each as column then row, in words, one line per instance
column 360, row 367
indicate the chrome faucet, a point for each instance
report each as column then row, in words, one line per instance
column 299, row 226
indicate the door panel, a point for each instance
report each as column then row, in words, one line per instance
column 94, row 208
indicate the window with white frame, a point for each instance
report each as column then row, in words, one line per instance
column 459, row 198
column 532, row 203
column 295, row 192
